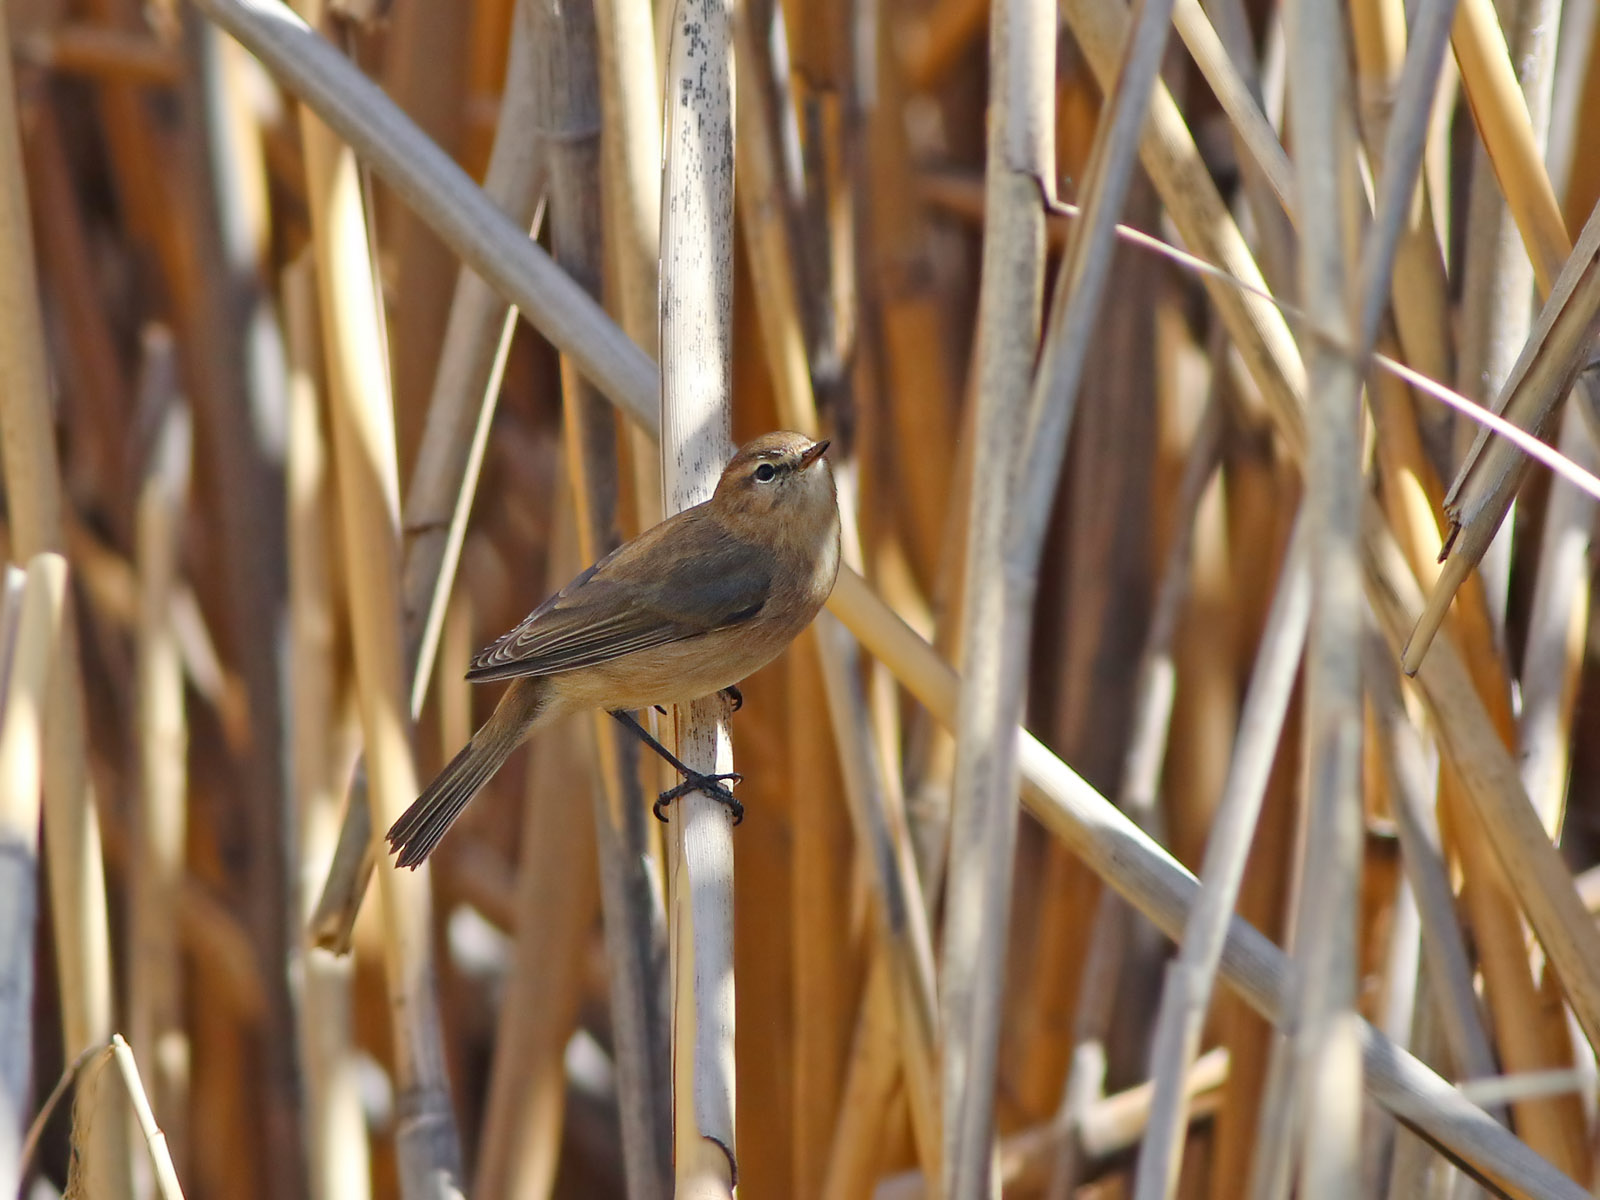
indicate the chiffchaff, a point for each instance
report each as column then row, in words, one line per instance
column 684, row 610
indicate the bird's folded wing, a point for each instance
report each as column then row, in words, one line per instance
column 620, row 606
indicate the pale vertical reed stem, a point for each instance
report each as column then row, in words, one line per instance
column 369, row 505
column 630, row 865
column 1558, row 631
column 32, row 632
column 696, row 408
column 1324, row 1039
column 1018, row 173
column 155, row 988
column 1558, row 618
column 338, row 1166
column 34, row 505
column 1186, row 994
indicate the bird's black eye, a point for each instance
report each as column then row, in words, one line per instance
column 765, row 473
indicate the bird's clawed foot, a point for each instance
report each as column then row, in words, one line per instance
column 711, row 785
column 734, row 695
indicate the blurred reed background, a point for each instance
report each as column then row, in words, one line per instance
column 276, row 464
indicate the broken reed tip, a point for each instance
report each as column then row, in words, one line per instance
column 1454, row 574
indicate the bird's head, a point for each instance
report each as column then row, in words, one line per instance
column 778, row 472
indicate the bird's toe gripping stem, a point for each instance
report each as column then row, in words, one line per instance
column 711, row 785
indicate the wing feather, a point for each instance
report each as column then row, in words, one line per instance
column 627, row 603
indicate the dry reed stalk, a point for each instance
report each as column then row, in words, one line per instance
column 364, row 455
column 903, row 924
column 1324, row 1034
column 867, row 1108
column 1447, row 965
column 424, row 67
column 1470, row 744
column 1190, row 197
column 556, row 904
column 907, row 329
column 1234, row 93
column 880, row 830
column 466, row 383
column 1400, row 263
column 1483, row 492
column 34, row 505
column 1163, row 891
column 1502, row 117
column 1112, row 1125
column 827, row 961
column 825, row 967
column 1490, row 899
column 444, row 476
column 1493, row 470
column 337, row 1146
column 1149, row 724
column 426, row 178
column 155, row 1140
column 696, row 406
column 1263, row 494
column 155, row 995
column 1018, row 171
column 566, row 78
column 1006, row 536
column 1500, row 322
column 630, row 111
column 32, row 630
column 213, row 241
column 1187, row 992
column 1412, row 491
column 1558, row 626
column 1094, row 571
column 94, row 390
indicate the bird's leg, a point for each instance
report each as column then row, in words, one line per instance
column 693, row 781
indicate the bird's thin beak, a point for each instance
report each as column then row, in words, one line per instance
column 814, row 452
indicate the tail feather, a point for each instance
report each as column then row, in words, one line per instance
column 421, row 826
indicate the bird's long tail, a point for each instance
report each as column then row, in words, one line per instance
column 420, row 827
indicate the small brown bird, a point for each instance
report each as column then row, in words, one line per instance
column 684, row 610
